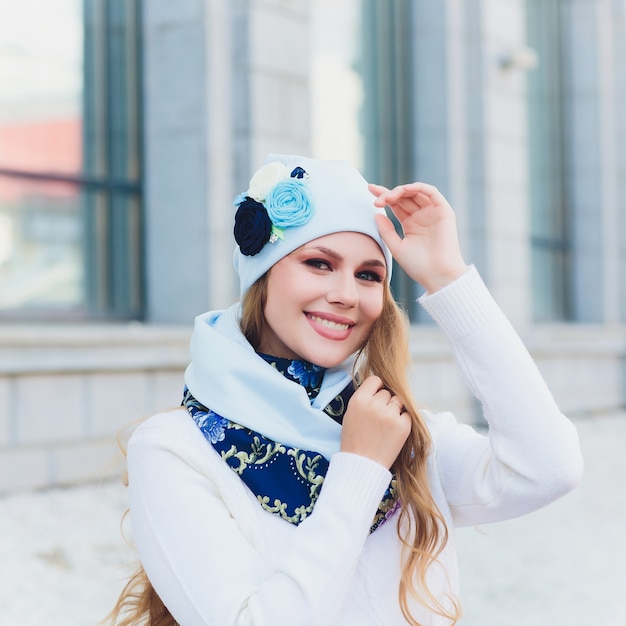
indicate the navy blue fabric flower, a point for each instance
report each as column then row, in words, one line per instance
column 252, row 227
column 274, row 201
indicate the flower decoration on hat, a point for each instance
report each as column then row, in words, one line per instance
column 276, row 200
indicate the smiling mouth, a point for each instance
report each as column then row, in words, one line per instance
column 328, row 323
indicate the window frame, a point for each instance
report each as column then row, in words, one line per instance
column 114, row 281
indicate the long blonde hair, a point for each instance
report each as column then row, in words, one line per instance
column 421, row 527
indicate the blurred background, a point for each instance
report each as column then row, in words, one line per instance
column 127, row 127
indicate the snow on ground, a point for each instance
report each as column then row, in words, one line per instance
column 62, row 555
column 564, row 565
column 63, row 559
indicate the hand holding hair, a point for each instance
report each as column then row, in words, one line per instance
column 375, row 424
column 429, row 250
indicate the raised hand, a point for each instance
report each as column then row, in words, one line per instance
column 429, row 250
column 375, row 424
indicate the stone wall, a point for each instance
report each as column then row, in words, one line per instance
column 67, row 392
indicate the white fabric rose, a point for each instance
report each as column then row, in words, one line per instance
column 265, row 179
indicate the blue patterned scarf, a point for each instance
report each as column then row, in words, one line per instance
column 286, row 480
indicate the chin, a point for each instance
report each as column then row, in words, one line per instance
column 326, row 364
column 327, row 361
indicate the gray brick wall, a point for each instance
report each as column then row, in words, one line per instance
column 66, row 396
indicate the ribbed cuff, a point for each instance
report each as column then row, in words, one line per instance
column 356, row 481
column 462, row 306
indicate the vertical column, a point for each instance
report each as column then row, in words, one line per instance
column 470, row 147
column 586, row 156
column 176, row 168
column 278, row 65
column 618, row 20
column 444, row 83
column 608, row 177
column 471, row 134
column 431, row 95
column 596, row 47
column 222, row 99
column 270, row 84
column 440, row 116
column 457, row 118
column 242, row 102
column 506, row 200
column 474, row 149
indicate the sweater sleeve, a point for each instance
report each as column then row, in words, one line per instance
column 531, row 455
column 207, row 560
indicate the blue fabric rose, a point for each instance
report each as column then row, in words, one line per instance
column 212, row 425
column 252, row 227
column 289, row 203
column 239, row 199
column 307, row 374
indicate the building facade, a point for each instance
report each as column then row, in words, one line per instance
column 130, row 126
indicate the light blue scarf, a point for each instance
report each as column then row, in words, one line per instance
column 286, row 481
column 228, row 376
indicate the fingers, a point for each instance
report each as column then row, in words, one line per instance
column 414, row 189
column 376, row 424
column 396, row 401
column 377, row 190
column 388, row 232
column 372, row 386
column 418, row 193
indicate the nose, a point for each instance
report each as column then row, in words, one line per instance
column 343, row 290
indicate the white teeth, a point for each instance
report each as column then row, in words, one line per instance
column 329, row 324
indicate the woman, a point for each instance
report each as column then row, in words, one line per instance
column 299, row 483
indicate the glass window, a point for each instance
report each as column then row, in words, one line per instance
column 70, row 168
column 387, row 118
column 549, row 216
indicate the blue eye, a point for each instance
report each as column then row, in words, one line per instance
column 370, row 276
column 319, row 264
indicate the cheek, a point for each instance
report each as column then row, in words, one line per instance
column 373, row 306
column 288, row 284
column 275, row 309
column 273, row 305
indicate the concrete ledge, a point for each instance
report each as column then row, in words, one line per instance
column 584, row 367
column 67, row 392
column 26, row 349
column 546, row 340
column 68, row 464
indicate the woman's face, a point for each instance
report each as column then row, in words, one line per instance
column 323, row 299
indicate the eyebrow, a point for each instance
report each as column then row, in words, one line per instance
column 337, row 257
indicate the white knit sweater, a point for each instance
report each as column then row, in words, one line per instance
column 216, row 557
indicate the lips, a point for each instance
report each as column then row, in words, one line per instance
column 331, row 327
column 329, row 323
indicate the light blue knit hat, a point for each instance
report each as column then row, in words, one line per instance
column 292, row 200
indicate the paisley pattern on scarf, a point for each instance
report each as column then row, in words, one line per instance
column 286, row 480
